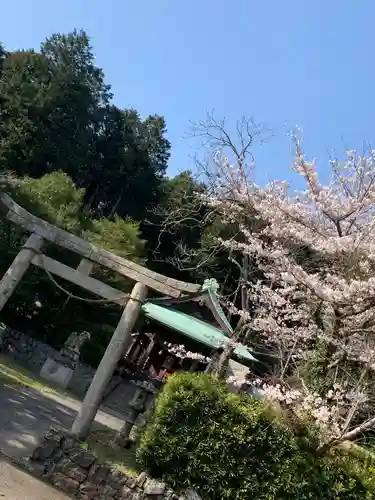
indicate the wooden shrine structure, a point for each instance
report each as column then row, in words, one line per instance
column 32, row 254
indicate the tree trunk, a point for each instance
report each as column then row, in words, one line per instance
column 222, row 363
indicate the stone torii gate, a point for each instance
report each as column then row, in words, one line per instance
column 31, row 253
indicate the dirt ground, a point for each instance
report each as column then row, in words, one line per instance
column 15, row 484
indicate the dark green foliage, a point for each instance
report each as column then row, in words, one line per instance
column 175, row 222
column 316, row 371
column 230, row 447
column 3, row 55
column 358, row 461
column 80, row 162
column 133, row 158
column 56, row 114
column 57, row 117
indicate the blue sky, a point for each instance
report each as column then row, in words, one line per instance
column 284, row 62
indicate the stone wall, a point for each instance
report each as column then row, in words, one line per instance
column 25, row 350
column 70, row 468
column 32, row 354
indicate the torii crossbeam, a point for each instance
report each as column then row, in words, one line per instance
column 31, row 253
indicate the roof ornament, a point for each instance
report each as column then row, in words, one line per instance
column 211, row 285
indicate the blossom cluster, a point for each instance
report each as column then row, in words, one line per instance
column 329, row 412
column 336, row 222
column 237, row 380
column 181, row 352
column 315, row 252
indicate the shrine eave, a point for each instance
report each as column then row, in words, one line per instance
column 193, row 328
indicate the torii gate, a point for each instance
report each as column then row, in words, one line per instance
column 31, row 253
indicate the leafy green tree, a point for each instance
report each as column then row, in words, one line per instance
column 3, row 55
column 54, row 198
column 24, row 81
column 120, row 236
column 79, row 94
column 51, row 108
column 56, row 114
column 133, row 159
column 75, row 159
column 72, row 55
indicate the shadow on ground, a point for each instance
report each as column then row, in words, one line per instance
column 26, row 414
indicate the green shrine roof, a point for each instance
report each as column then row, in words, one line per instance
column 192, row 327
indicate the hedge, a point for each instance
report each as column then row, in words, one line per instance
column 233, row 447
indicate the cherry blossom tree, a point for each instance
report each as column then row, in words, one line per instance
column 316, row 251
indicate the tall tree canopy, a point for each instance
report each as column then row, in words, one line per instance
column 95, row 169
column 71, row 156
column 56, row 114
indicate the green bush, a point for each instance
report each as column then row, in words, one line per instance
column 232, row 447
column 358, row 461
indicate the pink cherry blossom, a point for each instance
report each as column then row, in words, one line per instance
column 316, row 251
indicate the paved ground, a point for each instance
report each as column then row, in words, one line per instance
column 26, row 414
column 15, row 484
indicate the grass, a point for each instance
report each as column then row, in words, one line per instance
column 100, row 443
column 13, row 375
